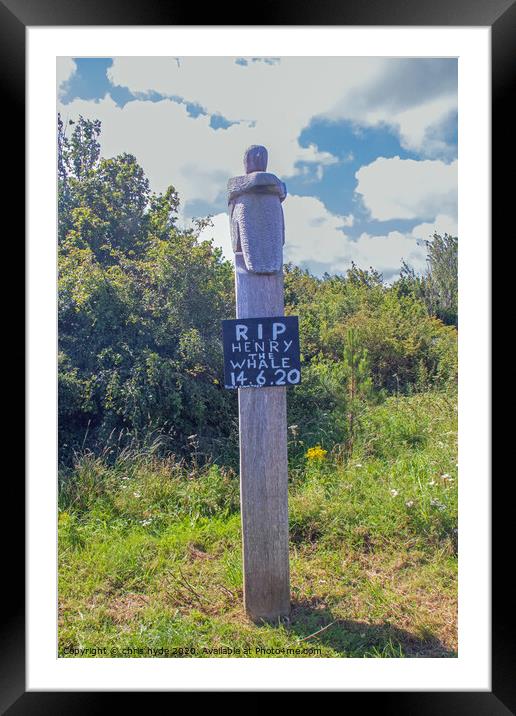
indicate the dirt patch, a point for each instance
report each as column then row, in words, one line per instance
column 195, row 552
column 126, row 607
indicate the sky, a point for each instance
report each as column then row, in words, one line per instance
column 366, row 146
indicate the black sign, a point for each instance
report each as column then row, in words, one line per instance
column 261, row 352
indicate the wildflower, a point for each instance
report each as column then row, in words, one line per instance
column 137, row 494
column 316, row 453
column 409, row 503
column 64, row 518
column 146, row 522
column 431, row 483
column 438, row 504
column 394, row 493
column 359, row 464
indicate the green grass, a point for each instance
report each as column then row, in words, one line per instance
column 150, row 554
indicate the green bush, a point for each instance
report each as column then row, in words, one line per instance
column 140, row 305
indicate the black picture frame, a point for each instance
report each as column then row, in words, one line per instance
column 500, row 16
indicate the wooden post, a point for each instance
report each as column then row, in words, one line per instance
column 262, row 411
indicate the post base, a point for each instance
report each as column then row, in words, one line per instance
column 275, row 618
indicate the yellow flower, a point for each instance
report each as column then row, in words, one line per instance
column 64, row 519
column 316, row 453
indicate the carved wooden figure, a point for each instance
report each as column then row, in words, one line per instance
column 258, row 235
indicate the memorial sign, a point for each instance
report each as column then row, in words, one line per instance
column 261, row 334
column 261, row 352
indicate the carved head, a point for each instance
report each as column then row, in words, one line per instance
column 255, row 159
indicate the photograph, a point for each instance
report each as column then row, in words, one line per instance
column 258, row 326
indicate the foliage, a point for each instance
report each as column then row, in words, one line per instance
column 140, row 306
column 438, row 287
column 361, row 340
column 400, row 337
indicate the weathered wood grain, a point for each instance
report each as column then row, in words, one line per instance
column 263, row 465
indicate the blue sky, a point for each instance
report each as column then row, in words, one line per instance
column 366, row 146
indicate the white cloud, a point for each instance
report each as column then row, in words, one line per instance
column 274, row 103
column 386, row 253
column 410, row 95
column 315, row 239
column 441, row 225
column 414, row 97
column 414, row 124
column 174, row 147
column 220, row 233
column 286, row 94
column 407, row 189
column 313, row 234
column 65, row 68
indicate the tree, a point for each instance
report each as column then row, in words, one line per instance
column 438, row 287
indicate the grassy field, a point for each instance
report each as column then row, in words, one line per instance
column 150, row 555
